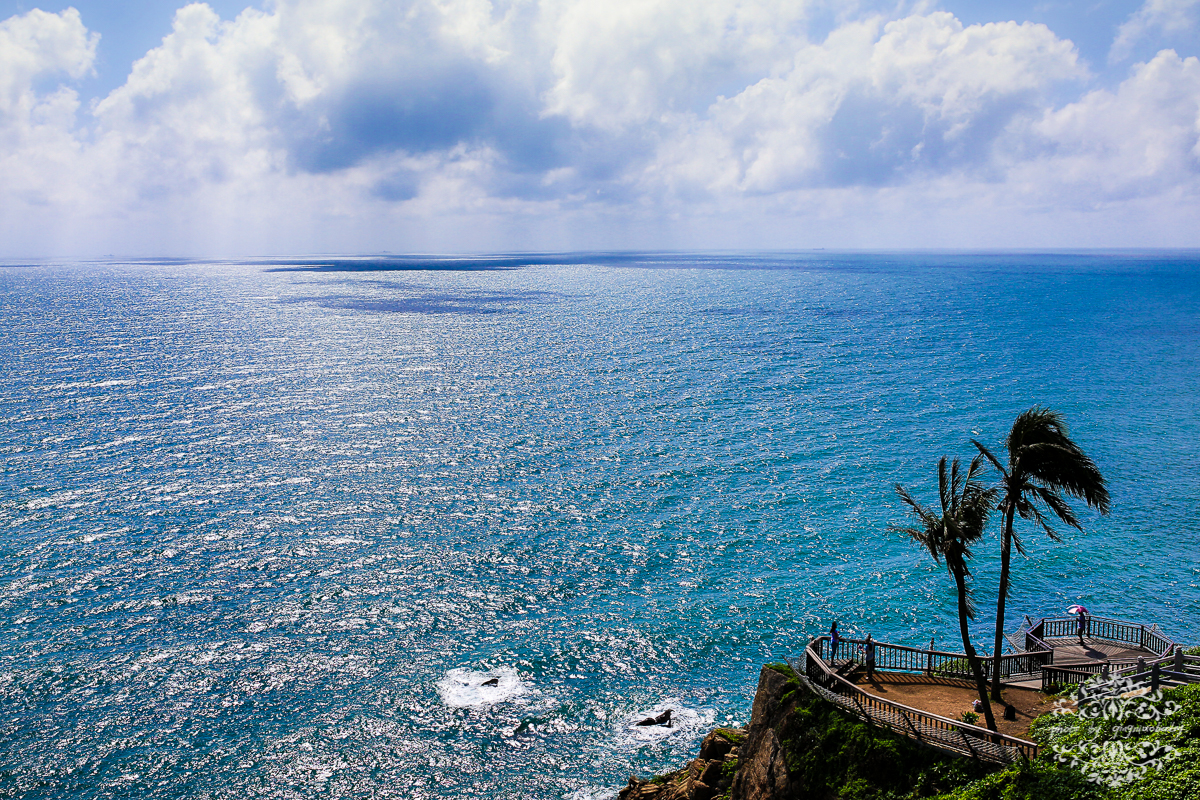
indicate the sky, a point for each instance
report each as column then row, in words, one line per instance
column 149, row 128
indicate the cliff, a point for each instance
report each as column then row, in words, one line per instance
column 709, row 776
column 799, row 746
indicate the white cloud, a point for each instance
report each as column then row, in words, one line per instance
column 35, row 45
column 465, row 124
column 191, row 112
column 1141, row 140
column 629, row 62
column 38, row 145
column 1154, row 17
column 871, row 106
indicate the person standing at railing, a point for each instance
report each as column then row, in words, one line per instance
column 1081, row 622
column 869, row 657
column 834, row 641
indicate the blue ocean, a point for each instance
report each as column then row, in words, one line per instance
column 445, row 528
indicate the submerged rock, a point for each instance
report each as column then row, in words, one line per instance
column 662, row 719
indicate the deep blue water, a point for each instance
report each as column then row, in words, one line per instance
column 265, row 530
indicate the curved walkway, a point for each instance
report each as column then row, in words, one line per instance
column 1053, row 654
column 950, row 697
column 929, row 729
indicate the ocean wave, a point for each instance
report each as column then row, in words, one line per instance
column 465, row 688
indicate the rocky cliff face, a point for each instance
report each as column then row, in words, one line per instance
column 735, row 763
column 763, row 772
column 799, row 746
column 709, row 776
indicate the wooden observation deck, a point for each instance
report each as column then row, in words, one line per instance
column 1106, row 647
column 1049, row 653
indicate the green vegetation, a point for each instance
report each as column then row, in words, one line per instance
column 966, row 504
column 1031, row 780
column 1127, row 755
column 831, row 754
column 1043, row 466
column 730, row 735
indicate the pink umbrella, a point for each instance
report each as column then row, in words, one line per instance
column 1076, row 610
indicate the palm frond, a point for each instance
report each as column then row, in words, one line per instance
column 983, row 451
column 944, row 489
column 1058, row 505
column 1037, row 516
column 1040, row 446
column 1065, row 467
column 966, row 503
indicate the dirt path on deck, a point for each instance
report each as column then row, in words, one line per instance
column 948, row 697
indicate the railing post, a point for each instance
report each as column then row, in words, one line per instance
column 929, row 661
column 1178, row 659
column 1141, row 665
column 1154, row 677
column 1142, row 641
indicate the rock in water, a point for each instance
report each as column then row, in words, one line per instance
column 492, row 682
column 662, row 719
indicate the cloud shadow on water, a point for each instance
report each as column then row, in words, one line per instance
column 399, row 264
column 474, row 303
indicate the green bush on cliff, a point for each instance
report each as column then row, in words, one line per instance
column 1176, row 739
column 1033, row 780
column 1129, row 752
column 830, row 754
column 1132, row 754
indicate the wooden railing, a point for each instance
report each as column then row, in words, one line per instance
column 1028, row 663
column 1157, row 641
column 1179, row 668
column 1054, row 678
column 1191, row 666
column 922, row 726
column 1103, row 628
column 899, row 658
column 1032, row 642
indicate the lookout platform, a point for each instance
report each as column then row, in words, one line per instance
column 1050, row 653
column 1106, row 646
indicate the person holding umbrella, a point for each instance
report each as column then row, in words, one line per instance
column 834, row 641
column 1081, row 620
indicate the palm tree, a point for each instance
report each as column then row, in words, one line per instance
column 1043, row 466
column 966, row 504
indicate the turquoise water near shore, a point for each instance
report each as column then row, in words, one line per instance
column 266, row 531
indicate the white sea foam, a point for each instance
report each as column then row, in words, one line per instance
column 684, row 722
column 592, row 793
column 54, row 499
column 464, row 688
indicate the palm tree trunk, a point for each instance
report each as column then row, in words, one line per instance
column 972, row 659
column 1005, row 558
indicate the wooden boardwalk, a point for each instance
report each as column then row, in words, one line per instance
column 1049, row 653
column 1071, row 654
column 931, row 730
column 1107, row 645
